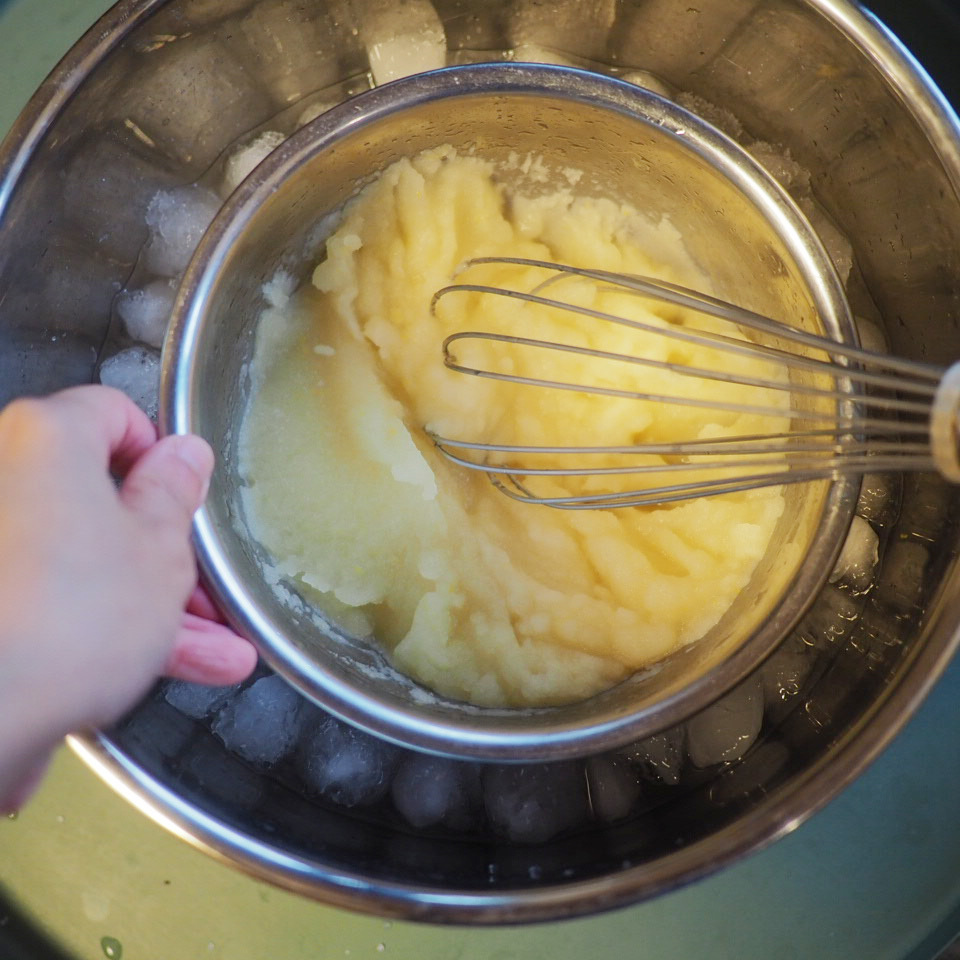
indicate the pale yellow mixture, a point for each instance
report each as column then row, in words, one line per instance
column 479, row 597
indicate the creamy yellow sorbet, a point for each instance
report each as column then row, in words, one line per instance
column 477, row 596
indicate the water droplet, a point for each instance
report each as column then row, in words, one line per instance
column 112, row 948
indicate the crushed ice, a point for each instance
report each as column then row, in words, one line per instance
column 345, row 765
column 262, row 723
column 195, row 699
column 135, row 371
column 146, row 312
column 176, row 220
column 244, row 160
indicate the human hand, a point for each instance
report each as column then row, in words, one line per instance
column 98, row 592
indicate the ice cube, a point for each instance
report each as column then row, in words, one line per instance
column 727, row 729
column 877, row 638
column 902, row 578
column 756, row 775
column 534, row 802
column 198, row 13
column 830, row 619
column 838, row 247
column 871, row 335
column 928, row 501
column 429, row 790
column 346, row 765
column 645, row 79
column 784, row 673
column 580, row 30
column 155, row 734
column 659, row 758
column 177, row 219
column 313, row 110
column 613, row 784
column 222, row 775
column 720, row 117
column 537, row 53
column 146, row 312
column 187, row 17
column 859, row 556
column 197, row 700
column 61, row 287
column 296, row 48
column 192, row 97
column 135, row 371
column 261, row 724
column 781, row 166
column 761, row 49
column 106, row 187
column 674, row 40
column 244, row 159
column 319, row 102
column 878, row 493
column 402, row 37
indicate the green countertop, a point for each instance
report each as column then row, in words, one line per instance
column 875, row 875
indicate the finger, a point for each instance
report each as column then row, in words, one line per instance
column 109, row 420
column 25, row 783
column 210, row 653
column 169, row 482
column 201, row 605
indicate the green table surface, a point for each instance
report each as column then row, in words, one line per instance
column 875, row 875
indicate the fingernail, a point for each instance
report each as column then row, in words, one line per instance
column 215, row 658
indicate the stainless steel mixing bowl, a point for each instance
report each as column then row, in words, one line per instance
column 156, row 93
column 630, row 145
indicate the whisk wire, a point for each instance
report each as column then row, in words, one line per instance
column 700, row 373
column 877, row 419
column 700, row 302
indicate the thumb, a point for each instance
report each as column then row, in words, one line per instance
column 169, row 482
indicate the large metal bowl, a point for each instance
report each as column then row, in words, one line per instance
column 143, row 102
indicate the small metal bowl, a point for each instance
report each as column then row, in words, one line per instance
column 739, row 226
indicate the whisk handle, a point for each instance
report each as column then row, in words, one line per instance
column 945, row 425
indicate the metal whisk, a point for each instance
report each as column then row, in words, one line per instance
column 882, row 413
